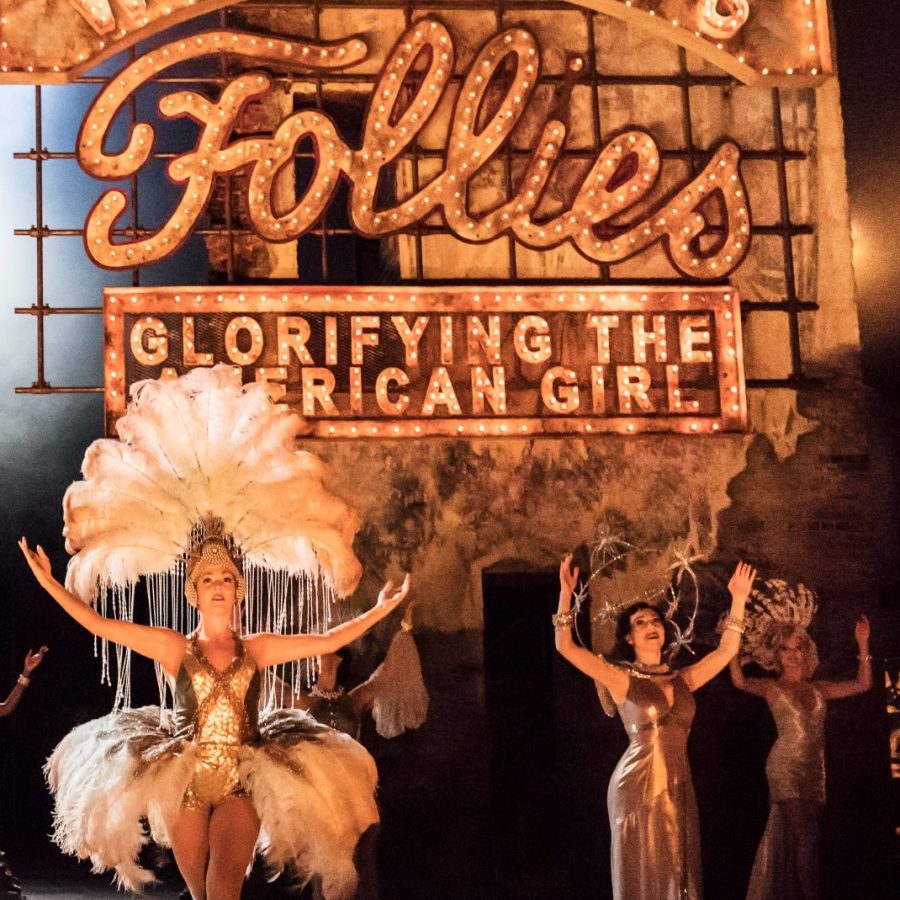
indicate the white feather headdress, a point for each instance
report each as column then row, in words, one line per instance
column 198, row 446
column 770, row 609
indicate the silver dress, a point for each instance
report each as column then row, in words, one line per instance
column 787, row 861
column 652, row 809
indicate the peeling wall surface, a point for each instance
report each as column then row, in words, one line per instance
column 447, row 509
column 805, row 494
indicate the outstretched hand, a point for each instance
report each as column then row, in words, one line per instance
column 38, row 562
column 861, row 632
column 390, row 597
column 568, row 575
column 741, row 582
column 33, row 660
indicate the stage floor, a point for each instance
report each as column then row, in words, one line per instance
column 55, row 885
column 42, row 890
column 52, row 877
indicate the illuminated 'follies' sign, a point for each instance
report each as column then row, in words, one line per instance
column 392, row 362
column 703, row 223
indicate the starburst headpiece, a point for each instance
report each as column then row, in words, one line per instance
column 623, row 574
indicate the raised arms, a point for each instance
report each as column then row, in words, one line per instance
column 159, row 644
column 739, row 586
column 363, row 695
column 750, row 685
column 614, row 679
column 272, row 649
column 32, row 661
column 835, row 690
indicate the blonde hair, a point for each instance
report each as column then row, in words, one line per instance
column 783, row 632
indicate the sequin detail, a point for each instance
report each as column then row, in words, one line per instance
column 221, row 724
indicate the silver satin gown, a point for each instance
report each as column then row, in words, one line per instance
column 652, row 809
column 787, row 861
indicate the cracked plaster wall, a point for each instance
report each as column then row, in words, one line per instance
column 449, row 509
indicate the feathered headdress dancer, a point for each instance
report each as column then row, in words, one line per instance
column 200, row 454
column 623, row 574
column 771, row 609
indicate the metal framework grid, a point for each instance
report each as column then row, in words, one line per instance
column 784, row 230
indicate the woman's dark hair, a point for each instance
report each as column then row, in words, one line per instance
column 622, row 649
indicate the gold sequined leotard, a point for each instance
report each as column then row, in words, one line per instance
column 218, row 711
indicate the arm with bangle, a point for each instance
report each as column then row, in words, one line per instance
column 739, row 587
column 32, row 661
column 836, row 690
column 613, row 678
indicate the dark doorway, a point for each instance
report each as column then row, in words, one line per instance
column 547, row 744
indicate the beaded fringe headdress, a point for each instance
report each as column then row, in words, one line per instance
column 198, row 449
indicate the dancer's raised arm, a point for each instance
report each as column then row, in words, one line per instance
column 32, row 661
column 739, row 587
column 159, row 644
column 363, row 695
column 836, row 690
column 271, row 649
column 614, row 679
column 742, row 683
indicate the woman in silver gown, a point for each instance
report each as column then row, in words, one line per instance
column 787, row 861
column 655, row 846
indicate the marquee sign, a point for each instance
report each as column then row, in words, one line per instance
column 607, row 219
column 393, row 362
column 55, row 41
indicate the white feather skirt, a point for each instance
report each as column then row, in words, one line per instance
column 313, row 789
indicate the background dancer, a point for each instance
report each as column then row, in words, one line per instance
column 398, row 699
column 787, row 861
column 9, row 884
column 655, row 846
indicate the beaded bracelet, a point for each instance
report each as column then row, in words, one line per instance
column 24, row 680
column 563, row 620
column 732, row 624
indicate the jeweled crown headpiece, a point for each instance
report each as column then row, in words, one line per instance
column 211, row 551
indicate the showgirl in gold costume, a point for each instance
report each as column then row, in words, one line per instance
column 652, row 811
column 206, row 497
column 209, row 780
